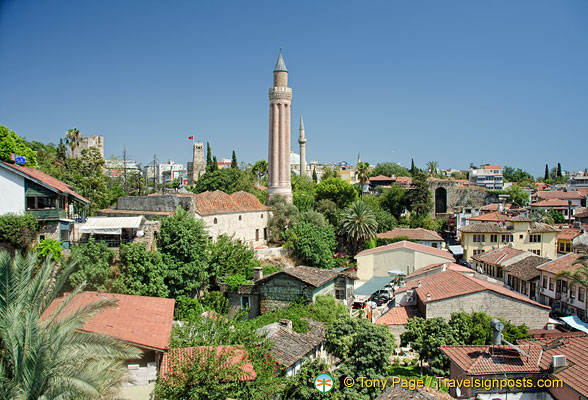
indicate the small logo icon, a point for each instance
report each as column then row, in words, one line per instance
column 323, row 383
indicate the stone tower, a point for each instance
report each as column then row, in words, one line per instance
column 197, row 167
column 302, row 143
column 280, row 97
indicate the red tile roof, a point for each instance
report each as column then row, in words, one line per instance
column 494, row 207
column 172, row 362
column 551, row 203
column 564, row 263
column 450, row 266
column 219, row 202
column 313, row 276
column 411, row 246
column 497, row 256
column 583, row 191
column 414, row 234
column 448, row 284
column 381, row 178
column 138, row 320
column 490, row 217
column 482, row 360
column 558, row 194
column 397, row 316
column 490, row 166
column 541, row 186
column 569, row 233
column 407, row 179
column 48, row 180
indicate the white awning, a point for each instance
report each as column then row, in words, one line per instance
column 576, row 323
column 110, row 225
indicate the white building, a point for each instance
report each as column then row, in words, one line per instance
column 487, row 176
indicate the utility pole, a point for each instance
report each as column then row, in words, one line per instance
column 125, row 169
column 154, row 166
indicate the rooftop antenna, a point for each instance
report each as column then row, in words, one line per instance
column 498, row 339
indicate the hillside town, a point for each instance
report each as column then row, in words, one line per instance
column 248, row 281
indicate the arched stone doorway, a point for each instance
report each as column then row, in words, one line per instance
column 440, row 200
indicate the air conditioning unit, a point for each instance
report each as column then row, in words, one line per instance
column 558, row 361
column 483, row 243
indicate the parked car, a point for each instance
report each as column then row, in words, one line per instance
column 380, row 300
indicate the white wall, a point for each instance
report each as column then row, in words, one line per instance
column 12, row 193
column 243, row 229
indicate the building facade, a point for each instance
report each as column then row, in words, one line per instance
column 487, row 176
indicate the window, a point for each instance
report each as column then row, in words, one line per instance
column 568, row 247
column 256, row 235
column 537, row 252
column 261, row 216
column 468, row 210
column 520, row 236
column 340, row 294
column 506, row 238
column 215, row 221
column 564, row 286
column 434, row 245
column 45, row 202
column 550, row 283
column 573, row 291
column 31, row 203
column 479, row 238
column 476, row 252
column 581, row 294
column 562, row 247
column 245, row 302
column 544, row 282
column 264, row 233
column 493, row 238
column 240, row 218
column 535, row 238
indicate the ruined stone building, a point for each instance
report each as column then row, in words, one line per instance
column 86, row 143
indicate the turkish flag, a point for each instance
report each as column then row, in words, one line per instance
column 190, row 137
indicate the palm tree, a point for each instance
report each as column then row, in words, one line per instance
column 363, row 170
column 580, row 275
column 48, row 357
column 432, row 167
column 359, row 224
column 72, row 138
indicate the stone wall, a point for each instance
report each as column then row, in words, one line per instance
column 165, row 203
column 150, row 229
column 281, row 291
column 493, row 304
column 249, row 227
column 458, row 196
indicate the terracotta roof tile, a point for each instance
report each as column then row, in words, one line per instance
column 46, row 179
column 139, row 320
column 560, row 195
column 409, row 245
column 448, row 284
column 482, row 360
column 313, row 276
column 219, row 202
column 581, row 212
column 540, row 227
column 490, row 167
column 232, row 355
column 551, row 203
column 494, row 207
column 569, row 233
column 484, row 227
column 288, row 346
column 564, row 263
column 519, row 218
column 414, row 234
column 490, row 217
column 450, row 266
column 381, row 178
column 397, row 316
column 526, row 269
column 497, row 256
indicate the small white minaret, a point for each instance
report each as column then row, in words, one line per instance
column 302, row 142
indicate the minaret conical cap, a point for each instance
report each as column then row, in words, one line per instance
column 280, row 64
column 301, row 123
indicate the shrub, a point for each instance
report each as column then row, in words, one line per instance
column 19, row 231
column 49, row 247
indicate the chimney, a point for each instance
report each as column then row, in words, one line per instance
column 444, row 267
column 428, row 296
column 497, row 327
column 286, row 324
column 419, row 284
column 257, row 274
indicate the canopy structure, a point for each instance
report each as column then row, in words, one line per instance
column 576, row 323
column 110, row 225
column 372, row 286
column 456, row 250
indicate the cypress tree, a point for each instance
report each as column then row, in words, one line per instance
column 209, row 166
column 314, row 176
column 234, row 163
column 546, row 177
column 214, row 164
column 412, row 169
column 559, row 175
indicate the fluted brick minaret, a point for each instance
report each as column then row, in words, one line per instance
column 302, row 143
column 280, row 97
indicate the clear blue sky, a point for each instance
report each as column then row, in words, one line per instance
column 453, row 81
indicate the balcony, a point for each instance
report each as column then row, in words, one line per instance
column 49, row 214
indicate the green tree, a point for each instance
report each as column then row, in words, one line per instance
column 546, row 176
column 313, row 244
column 556, row 216
column 228, row 180
column 363, row 173
column 559, row 174
column 182, row 242
column 511, row 174
column 419, row 198
column 359, row 225
column 390, row 169
column 336, row 190
column 228, row 257
column 92, row 265
column 234, row 163
column 518, row 195
column 314, row 175
column 394, row 200
column 209, row 166
column 214, row 164
column 579, row 276
column 49, row 357
column 10, row 143
column 303, row 189
column 312, row 217
column 73, row 138
column 301, row 386
column 259, row 170
column 329, row 172
column 432, row 168
column 49, row 247
column 141, row 272
column 283, row 216
column 328, row 209
column 19, row 231
column 412, row 167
